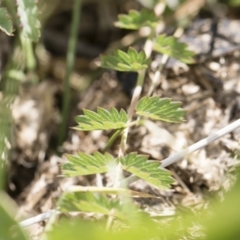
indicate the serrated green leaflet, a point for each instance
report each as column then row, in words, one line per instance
column 135, row 20
column 28, row 13
column 97, row 203
column 173, row 48
column 85, row 164
column 150, row 171
column 5, row 22
column 126, row 61
column 160, row 109
column 101, row 120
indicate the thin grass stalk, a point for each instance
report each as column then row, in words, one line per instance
column 69, row 69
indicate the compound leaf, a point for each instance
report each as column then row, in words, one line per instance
column 5, row 22
column 160, row 109
column 173, row 48
column 148, row 170
column 98, row 203
column 28, row 14
column 101, row 120
column 135, row 20
column 126, row 61
column 85, row 164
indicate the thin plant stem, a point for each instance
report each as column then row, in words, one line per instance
column 108, row 145
column 131, row 111
column 155, row 82
column 156, row 79
column 70, row 63
column 27, row 48
column 112, row 139
column 157, row 75
column 110, row 219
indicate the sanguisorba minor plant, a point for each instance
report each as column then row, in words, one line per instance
column 120, row 122
column 120, row 211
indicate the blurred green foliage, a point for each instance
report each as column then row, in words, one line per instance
column 9, row 229
column 232, row 3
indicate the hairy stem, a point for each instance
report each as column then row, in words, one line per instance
column 70, row 63
column 131, row 111
column 157, row 75
column 156, row 79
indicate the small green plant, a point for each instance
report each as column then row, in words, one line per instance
column 120, row 122
column 135, row 20
column 122, row 215
column 121, row 210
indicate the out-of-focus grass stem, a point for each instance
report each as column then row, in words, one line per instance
column 70, row 64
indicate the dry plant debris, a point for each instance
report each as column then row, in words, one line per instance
column 208, row 106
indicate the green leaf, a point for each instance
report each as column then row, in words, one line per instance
column 160, row 109
column 95, row 229
column 121, row 61
column 97, row 203
column 173, row 48
column 85, row 164
column 9, row 229
column 102, row 120
column 5, row 22
column 233, row 3
column 135, row 20
column 28, row 14
column 148, row 170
